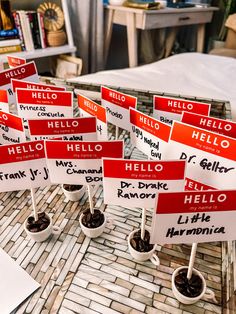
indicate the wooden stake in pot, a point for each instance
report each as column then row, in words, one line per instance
column 192, row 260
column 90, row 199
column 34, row 204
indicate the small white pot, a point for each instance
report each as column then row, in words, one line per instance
column 95, row 232
column 207, row 293
column 143, row 256
column 74, row 196
column 44, row 234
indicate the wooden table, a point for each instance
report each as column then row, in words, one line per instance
column 135, row 19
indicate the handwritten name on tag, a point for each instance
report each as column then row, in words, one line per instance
column 23, row 166
column 89, row 108
column 197, row 216
column 79, row 162
column 167, row 109
column 11, row 129
column 117, row 106
column 33, row 104
column 149, row 135
column 136, row 183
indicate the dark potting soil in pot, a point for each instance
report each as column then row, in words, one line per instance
column 39, row 225
column 189, row 288
column 92, row 220
column 72, row 188
column 141, row 245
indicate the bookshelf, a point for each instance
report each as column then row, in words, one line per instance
column 49, row 51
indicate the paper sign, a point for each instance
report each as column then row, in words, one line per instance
column 196, row 216
column 26, row 72
column 220, row 126
column 23, row 166
column 11, row 129
column 211, row 157
column 167, row 109
column 88, row 108
column 117, row 106
column 149, row 135
column 15, row 61
column 79, row 162
column 29, row 85
column 33, row 104
column 4, row 101
column 136, row 183
column 16, row 284
column 72, row 129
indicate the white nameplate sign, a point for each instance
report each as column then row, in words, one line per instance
column 88, row 108
column 149, row 135
column 79, row 162
column 220, row 126
column 35, row 104
column 167, row 109
column 194, row 217
column 69, row 129
column 136, row 183
column 23, row 166
column 117, row 105
column 11, row 129
column 4, row 106
column 211, row 157
column 27, row 72
column 30, row 85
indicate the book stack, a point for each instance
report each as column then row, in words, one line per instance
column 9, row 41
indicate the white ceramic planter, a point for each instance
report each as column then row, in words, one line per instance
column 74, row 196
column 206, row 293
column 95, row 232
column 143, row 256
column 44, row 234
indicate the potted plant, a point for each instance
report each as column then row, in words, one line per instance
column 40, row 230
column 141, row 249
column 73, row 192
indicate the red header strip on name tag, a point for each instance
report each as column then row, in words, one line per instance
column 22, row 152
column 210, row 142
column 19, row 73
column 83, row 150
column 30, row 85
column 11, row 121
column 62, row 126
column 176, row 105
column 117, row 98
column 196, row 201
column 191, row 185
column 146, row 170
column 151, row 125
column 92, row 108
column 220, row 126
column 53, row 98
column 3, row 96
column 15, row 61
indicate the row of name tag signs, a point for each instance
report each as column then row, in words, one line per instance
column 193, row 216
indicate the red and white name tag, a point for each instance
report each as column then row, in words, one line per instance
column 220, row 126
column 149, row 135
column 33, row 104
column 89, row 108
column 15, row 61
column 117, row 106
column 167, row 109
column 11, row 129
column 211, row 157
column 4, row 106
column 30, row 85
column 136, row 183
column 23, row 166
column 70, row 129
column 79, row 162
column 27, row 72
column 197, row 216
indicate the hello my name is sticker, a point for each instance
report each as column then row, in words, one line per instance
column 11, row 129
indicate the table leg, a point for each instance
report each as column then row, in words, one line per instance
column 170, row 40
column 132, row 36
column 200, row 37
column 108, row 32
